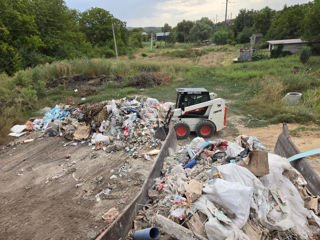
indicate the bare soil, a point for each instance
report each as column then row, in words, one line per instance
column 42, row 202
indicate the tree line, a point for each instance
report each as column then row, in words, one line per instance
column 39, row 31
column 298, row 21
column 33, row 32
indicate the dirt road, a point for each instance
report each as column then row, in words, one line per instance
column 38, row 196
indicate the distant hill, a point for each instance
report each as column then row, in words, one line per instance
column 148, row 29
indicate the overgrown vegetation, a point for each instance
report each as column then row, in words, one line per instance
column 254, row 88
column 297, row 21
column 33, row 32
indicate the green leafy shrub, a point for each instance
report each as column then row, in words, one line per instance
column 257, row 55
column 305, row 54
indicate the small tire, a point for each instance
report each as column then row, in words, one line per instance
column 182, row 130
column 205, row 129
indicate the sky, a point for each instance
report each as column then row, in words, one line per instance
column 145, row 13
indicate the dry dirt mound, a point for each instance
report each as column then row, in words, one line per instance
column 149, row 79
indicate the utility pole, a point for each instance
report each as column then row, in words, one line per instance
column 115, row 41
column 226, row 16
column 151, row 45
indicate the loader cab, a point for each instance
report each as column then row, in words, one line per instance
column 191, row 96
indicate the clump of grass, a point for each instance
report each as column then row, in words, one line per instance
column 254, row 88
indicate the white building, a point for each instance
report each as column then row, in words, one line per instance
column 289, row 45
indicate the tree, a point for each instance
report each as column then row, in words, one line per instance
column 207, row 21
column 223, row 36
column 288, row 23
column 244, row 35
column 183, row 31
column 312, row 22
column 244, row 19
column 136, row 39
column 201, row 31
column 164, row 29
column 263, row 20
column 18, row 31
column 96, row 23
column 59, row 29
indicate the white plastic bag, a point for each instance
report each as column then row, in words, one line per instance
column 98, row 137
column 115, row 110
column 233, row 149
column 234, row 173
column 152, row 101
column 197, row 142
column 233, row 196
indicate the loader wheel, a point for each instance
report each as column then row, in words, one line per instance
column 182, row 130
column 205, row 129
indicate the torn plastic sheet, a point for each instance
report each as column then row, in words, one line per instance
column 234, row 173
column 294, row 213
column 233, row 196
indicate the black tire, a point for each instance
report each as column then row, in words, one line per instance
column 182, row 130
column 205, row 129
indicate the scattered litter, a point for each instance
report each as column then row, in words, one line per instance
column 146, row 157
column 231, row 190
column 21, row 171
column 28, row 141
column 257, row 163
column 113, row 177
column 153, row 152
column 82, row 132
column 17, row 130
column 194, row 190
column 105, row 192
column 110, row 215
column 78, row 185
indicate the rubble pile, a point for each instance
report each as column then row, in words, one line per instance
column 229, row 190
column 110, row 125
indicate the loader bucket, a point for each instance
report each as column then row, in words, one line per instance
column 161, row 133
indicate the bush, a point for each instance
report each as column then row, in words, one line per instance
column 221, row 37
column 256, row 56
column 305, row 54
column 244, row 36
column 144, row 55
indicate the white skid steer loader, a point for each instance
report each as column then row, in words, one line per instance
column 196, row 110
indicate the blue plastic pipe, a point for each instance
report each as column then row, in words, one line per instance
column 146, row 234
column 305, row 154
column 191, row 163
column 194, row 160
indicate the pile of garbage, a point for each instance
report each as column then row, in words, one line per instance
column 229, row 190
column 110, row 125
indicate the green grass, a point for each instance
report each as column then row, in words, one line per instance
column 252, row 89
